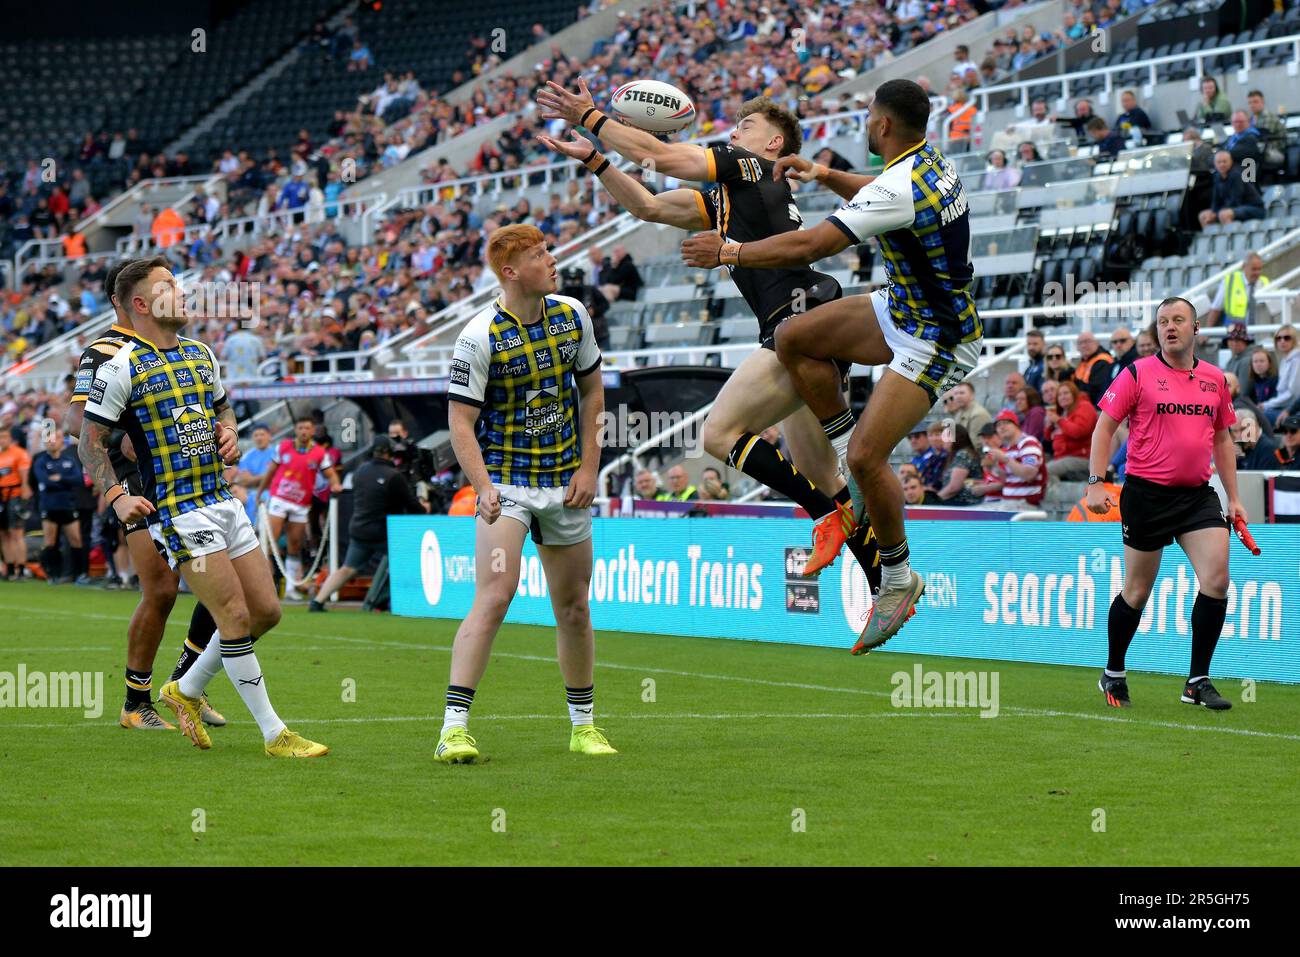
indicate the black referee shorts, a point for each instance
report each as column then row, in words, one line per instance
column 1153, row 515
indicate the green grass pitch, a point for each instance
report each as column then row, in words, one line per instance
column 750, row 753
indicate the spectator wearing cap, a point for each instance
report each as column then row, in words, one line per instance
column 1019, row 458
column 1235, row 297
column 379, row 489
column 928, row 460
column 1238, row 341
column 1288, row 453
column 1069, row 427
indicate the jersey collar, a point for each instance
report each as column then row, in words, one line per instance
column 1161, row 356
column 501, row 308
column 910, row 151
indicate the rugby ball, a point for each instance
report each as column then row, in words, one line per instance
column 653, row 106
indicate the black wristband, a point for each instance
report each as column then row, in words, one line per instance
column 591, row 156
column 116, row 497
column 599, row 123
column 583, row 120
column 601, row 168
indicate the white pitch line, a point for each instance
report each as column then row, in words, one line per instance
column 795, row 685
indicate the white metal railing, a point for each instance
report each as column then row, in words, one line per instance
column 1152, row 66
column 633, row 456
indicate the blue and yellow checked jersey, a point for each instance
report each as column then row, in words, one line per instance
column 918, row 210
column 165, row 400
column 522, row 376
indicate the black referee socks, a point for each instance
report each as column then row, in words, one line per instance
column 1121, row 626
column 1207, row 624
column 763, row 461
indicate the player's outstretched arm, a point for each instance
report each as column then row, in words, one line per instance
column 797, row 168
column 682, row 160
column 798, row 247
column 676, row 207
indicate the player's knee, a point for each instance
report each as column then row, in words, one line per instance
column 718, row 439
column 574, row 615
column 264, row 620
column 159, row 591
column 1214, row 583
column 236, row 622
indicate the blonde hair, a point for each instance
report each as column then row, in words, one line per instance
column 507, row 242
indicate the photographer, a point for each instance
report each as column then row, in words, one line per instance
column 415, row 463
column 379, row 489
column 573, row 283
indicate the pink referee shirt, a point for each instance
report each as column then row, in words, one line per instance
column 1172, row 415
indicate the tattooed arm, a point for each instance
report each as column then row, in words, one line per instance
column 92, row 448
column 227, row 434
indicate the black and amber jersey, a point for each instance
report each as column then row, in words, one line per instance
column 95, row 355
column 747, row 205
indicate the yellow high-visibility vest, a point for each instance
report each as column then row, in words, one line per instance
column 1235, row 296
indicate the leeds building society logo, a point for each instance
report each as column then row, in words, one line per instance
column 431, row 567
column 193, row 430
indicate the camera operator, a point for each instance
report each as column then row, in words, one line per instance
column 573, row 283
column 379, row 489
column 415, row 463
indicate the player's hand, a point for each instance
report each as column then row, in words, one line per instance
column 336, row 487
column 1098, row 499
column 228, row 445
column 131, row 509
column 575, row 147
column 489, row 504
column 582, row 489
column 1236, row 511
column 557, row 103
column 128, row 450
column 794, row 167
column 702, row 250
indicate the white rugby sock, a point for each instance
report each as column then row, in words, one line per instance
column 195, row 681
column 246, row 675
column 293, row 570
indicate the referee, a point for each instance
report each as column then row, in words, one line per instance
column 1179, row 410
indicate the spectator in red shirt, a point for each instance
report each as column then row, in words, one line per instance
column 1070, row 427
column 1020, row 460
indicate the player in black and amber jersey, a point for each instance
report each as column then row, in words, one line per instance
column 744, row 200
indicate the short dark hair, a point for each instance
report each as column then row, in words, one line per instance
column 135, row 272
column 906, row 103
column 110, row 278
column 1035, row 331
column 786, row 123
column 1170, row 300
column 263, row 426
column 1095, row 124
column 305, row 417
column 1258, row 93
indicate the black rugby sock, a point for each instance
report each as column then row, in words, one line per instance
column 1121, row 626
column 1207, row 624
column 763, row 461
